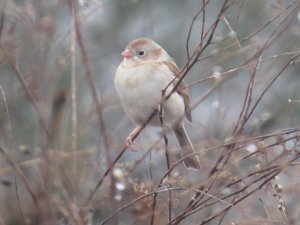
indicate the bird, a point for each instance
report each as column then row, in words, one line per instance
column 145, row 73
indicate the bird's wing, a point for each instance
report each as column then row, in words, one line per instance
column 181, row 89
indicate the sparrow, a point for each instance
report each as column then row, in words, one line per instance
column 145, row 73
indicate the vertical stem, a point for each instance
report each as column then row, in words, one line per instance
column 164, row 133
column 73, row 90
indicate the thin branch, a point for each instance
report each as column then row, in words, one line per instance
column 25, row 181
column 16, row 71
column 269, row 85
column 73, row 85
column 91, row 83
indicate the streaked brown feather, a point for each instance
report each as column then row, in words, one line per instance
column 182, row 89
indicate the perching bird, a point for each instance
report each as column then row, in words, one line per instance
column 144, row 73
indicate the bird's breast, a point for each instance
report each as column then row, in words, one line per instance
column 140, row 91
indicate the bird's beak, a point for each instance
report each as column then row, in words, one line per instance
column 127, row 53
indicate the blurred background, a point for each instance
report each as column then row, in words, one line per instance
column 54, row 147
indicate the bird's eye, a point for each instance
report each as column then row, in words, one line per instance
column 141, row 52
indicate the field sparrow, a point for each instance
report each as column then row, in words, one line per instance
column 144, row 73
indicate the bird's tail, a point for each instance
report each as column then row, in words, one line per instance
column 186, row 147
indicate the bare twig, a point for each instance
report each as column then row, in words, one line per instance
column 25, row 181
column 73, row 86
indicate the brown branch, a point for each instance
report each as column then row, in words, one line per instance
column 136, row 200
column 202, row 9
column 263, row 27
column 269, row 85
column 25, row 181
column 90, row 80
column 16, row 71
